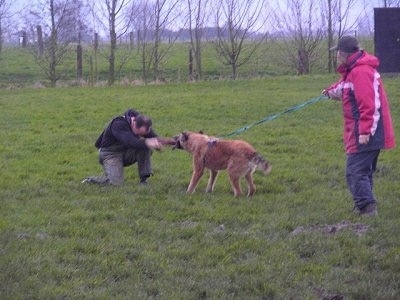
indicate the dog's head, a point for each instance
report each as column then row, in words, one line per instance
column 182, row 140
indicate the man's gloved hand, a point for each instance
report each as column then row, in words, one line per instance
column 153, row 143
column 325, row 92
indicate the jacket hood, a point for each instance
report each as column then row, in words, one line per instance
column 364, row 59
column 358, row 59
column 129, row 114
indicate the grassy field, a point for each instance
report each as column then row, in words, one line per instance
column 18, row 68
column 295, row 239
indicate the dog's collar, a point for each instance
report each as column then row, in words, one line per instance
column 212, row 142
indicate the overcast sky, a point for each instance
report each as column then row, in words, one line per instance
column 360, row 3
column 359, row 7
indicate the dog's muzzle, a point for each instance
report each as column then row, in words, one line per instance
column 177, row 143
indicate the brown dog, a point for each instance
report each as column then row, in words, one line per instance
column 238, row 157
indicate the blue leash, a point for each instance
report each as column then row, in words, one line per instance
column 273, row 117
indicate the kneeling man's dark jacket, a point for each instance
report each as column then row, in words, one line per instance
column 118, row 134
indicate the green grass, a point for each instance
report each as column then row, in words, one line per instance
column 62, row 239
column 18, row 68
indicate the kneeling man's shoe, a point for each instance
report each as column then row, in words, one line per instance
column 369, row 210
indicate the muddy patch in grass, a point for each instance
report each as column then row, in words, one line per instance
column 356, row 228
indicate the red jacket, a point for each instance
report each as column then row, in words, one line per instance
column 365, row 106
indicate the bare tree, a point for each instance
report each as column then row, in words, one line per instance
column 112, row 18
column 141, row 25
column 4, row 15
column 115, row 12
column 197, row 16
column 236, row 22
column 339, row 23
column 94, row 20
column 53, row 15
column 390, row 3
column 166, row 13
column 330, row 36
column 302, row 28
column 152, row 25
column 76, row 28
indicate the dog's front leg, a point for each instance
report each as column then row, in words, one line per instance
column 194, row 181
column 198, row 171
column 211, row 181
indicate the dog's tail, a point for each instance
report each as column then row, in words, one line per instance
column 262, row 164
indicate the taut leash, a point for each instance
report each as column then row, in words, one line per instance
column 273, row 117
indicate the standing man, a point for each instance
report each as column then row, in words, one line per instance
column 126, row 140
column 367, row 121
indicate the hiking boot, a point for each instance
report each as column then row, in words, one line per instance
column 143, row 183
column 96, row 180
column 87, row 180
column 143, row 179
column 368, row 210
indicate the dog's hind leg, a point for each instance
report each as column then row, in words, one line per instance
column 235, row 183
column 251, row 188
column 211, row 181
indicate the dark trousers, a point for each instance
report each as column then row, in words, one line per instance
column 360, row 168
column 113, row 163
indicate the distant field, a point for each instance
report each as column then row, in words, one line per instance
column 18, row 68
column 295, row 239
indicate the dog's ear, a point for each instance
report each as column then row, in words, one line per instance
column 185, row 136
column 201, row 132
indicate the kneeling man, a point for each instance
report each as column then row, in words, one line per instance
column 126, row 140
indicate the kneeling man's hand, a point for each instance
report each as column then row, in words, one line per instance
column 153, row 143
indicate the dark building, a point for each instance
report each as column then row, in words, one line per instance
column 387, row 38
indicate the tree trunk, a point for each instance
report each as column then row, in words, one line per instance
column 197, row 53
column 190, row 64
column 111, row 59
column 53, row 47
column 330, row 37
column 96, row 48
column 24, row 39
column 113, row 40
column 1, row 37
column 131, row 40
column 79, row 63
column 40, row 40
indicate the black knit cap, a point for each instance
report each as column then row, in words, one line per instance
column 347, row 44
column 129, row 114
column 141, row 120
